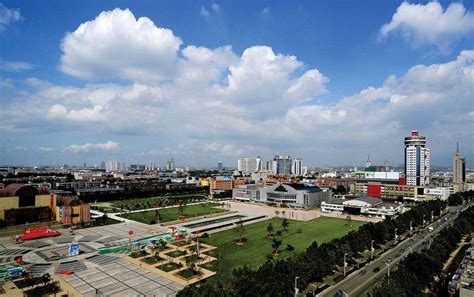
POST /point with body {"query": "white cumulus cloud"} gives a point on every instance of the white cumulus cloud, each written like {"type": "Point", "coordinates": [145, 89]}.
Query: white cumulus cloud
{"type": "Point", "coordinates": [430, 24]}
{"type": "Point", "coordinates": [117, 45]}
{"type": "Point", "coordinates": [8, 16]}
{"type": "Point", "coordinates": [204, 11]}
{"type": "Point", "coordinates": [83, 148]}
{"type": "Point", "coordinates": [15, 66]}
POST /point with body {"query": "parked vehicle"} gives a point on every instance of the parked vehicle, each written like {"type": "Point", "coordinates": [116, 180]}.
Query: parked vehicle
{"type": "Point", "coordinates": [362, 272]}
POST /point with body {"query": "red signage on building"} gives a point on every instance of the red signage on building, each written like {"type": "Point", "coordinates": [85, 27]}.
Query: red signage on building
{"type": "Point", "coordinates": [374, 190]}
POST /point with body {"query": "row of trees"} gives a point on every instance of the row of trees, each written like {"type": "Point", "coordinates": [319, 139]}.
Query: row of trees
{"type": "Point", "coordinates": [416, 272]}
{"type": "Point", "coordinates": [276, 278]}
{"type": "Point", "coordinates": [460, 198]}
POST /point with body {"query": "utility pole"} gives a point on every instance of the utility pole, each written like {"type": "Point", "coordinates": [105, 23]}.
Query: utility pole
{"type": "Point", "coordinates": [345, 264]}
{"type": "Point", "coordinates": [388, 272]}
{"type": "Point", "coordinates": [411, 228]}
{"type": "Point", "coordinates": [296, 285]}
{"type": "Point", "coordinates": [372, 249]}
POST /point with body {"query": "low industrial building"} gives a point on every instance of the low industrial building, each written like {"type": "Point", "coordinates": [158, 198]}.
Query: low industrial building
{"type": "Point", "coordinates": [289, 194]}
{"type": "Point", "coordinates": [365, 205]}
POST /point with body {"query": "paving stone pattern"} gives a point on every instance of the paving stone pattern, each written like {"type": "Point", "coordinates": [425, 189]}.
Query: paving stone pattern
{"type": "Point", "coordinates": [39, 269]}
{"type": "Point", "coordinates": [75, 266]}
{"type": "Point", "coordinates": [109, 239]}
{"type": "Point", "coordinates": [102, 259]}
{"type": "Point", "coordinates": [121, 279]}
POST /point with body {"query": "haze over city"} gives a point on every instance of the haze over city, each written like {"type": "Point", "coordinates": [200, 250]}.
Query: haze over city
{"type": "Point", "coordinates": [181, 148]}
{"type": "Point", "coordinates": [202, 82]}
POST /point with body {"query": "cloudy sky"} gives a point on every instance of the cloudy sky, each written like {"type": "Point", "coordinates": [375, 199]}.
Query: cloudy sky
{"type": "Point", "coordinates": [200, 81]}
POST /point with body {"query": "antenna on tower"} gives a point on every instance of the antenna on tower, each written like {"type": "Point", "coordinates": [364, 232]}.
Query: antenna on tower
{"type": "Point", "coordinates": [457, 148]}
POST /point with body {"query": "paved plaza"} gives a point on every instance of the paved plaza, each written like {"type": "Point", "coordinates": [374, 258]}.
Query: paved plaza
{"type": "Point", "coordinates": [93, 274]}
{"type": "Point", "coordinates": [120, 278]}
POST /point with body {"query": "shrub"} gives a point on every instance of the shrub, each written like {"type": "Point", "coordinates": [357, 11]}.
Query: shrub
{"type": "Point", "coordinates": [278, 232]}
{"type": "Point", "coordinates": [290, 248]}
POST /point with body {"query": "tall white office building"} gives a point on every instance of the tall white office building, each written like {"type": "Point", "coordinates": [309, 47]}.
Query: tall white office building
{"type": "Point", "coordinates": [249, 165]}
{"type": "Point", "coordinates": [282, 165]}
{"type": "Point", "coordinates": [297, 167]}
{"type": "Point", "coordinates": [115, 166]}
{"type": "Point", "coordinates": [417, 160]}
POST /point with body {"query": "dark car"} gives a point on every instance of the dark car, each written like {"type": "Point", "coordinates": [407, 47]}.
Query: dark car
{"type": "Point", "coordinates": [376, 269]}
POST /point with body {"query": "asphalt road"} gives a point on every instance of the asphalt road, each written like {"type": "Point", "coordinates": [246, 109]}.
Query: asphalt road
{"type": "Point", "coordinates": [359, 283]}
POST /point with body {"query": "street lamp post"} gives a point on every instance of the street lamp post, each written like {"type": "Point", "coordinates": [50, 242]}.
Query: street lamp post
{"type": "Point", "coordinates": [372, 249]}
{"type": "Point", "coordinates": [296, 287]}
{"type": "Point", "coordinates": [424, 220]}
{"type": "Point", "coordinates": [345, 264]}
{"type": "Point", "coordinates": [432, 216]}
{"type": "Point", "coordinates": [396, 235]}
{"type": "Point", "coordinates": [411, 228]}
{"type": "Point", "coordinates": [388, 271]}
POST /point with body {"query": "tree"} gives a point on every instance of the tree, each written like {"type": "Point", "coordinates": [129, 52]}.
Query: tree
{"type": "Point", "coordinates": [270, 230]}
{"type": "Point", "coordinates": [157, 214]}
{"type": "Point", "coordinates": [182, 205]}
{"type": "Point", "coordinates": [349, 221]}
{"type": "Point", "coordinates": [285, 224]}
{"type": "Point", "coordinates": [276, 245]}
{"type": "Point", "coordinates": [45, 278]}
{"type": "Point", "coordinates": [340, 190]}
{"type": "Point", "coordinates": [241, 230]}
{"type": "Point", "coordinates": [277, 213]}
{"type": "Point", "coordinates": [283, 213]}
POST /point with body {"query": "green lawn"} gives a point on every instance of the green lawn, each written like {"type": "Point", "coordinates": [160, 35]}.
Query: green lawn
{"type": "Point", "coordinates": [171, 214]}
{"type": "Point", "coordinates": [150, 202]}
{"type": "Point", "coordinates": [253, 253]}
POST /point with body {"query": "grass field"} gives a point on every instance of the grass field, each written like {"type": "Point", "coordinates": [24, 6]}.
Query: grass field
{"type": "Point", "coordinates": [171, 214]}
{"type": "Point", "coordinates": [150, 202]}
{"type": "Point", "coordinates": [254, 252]}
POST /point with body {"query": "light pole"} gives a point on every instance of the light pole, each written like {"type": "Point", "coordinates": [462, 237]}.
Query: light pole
{"type": "Point", "coordinates": [411, 228]}
{"type": "Point", "coordinates": [424, 220]}
{"type": "Point", "coordinates": [388, 272]}
{"type": "Point", "coordinates": [345, 264]}
{"type": "Point", "coordinates": [432, 216]}
{"type": "Point", "coordinates": [372, 249]}
{"type": "Point", "coordinates": [296, 287]}
{"type": "Point", "coordinates": [395, 235]}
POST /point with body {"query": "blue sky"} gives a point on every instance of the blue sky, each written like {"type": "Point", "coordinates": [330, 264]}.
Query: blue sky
{"type": "Point", "coordinates": [201, 81]}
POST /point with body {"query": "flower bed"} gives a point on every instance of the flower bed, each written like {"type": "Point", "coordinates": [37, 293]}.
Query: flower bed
{"type": "Point", "coordinates": [152, 259]}
{"type": "Point", "coordinates": [212, 266]}
{"type": "Point", "coordinates": [192, 259]}
{"type": "Point", "coordinates": [138, 254]}
{"type": "Point", "coordinates": [176, 253]}
{"type": "Point", "coordinates": [180, 243]}
{"type": "Point", "coordinates": [188, 273]}
{"type": "Point", "coordinates": [170, 266]}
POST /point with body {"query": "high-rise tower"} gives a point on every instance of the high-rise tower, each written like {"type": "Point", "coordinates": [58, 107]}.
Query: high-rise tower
{"type": "Point", "coordinates": [417, 160]}
{"type": "Point", "coordinates": [459, 169]}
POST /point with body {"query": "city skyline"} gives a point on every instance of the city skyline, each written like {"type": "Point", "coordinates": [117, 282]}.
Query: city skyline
{"type": "Point", "coordinates": [218, 81]}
